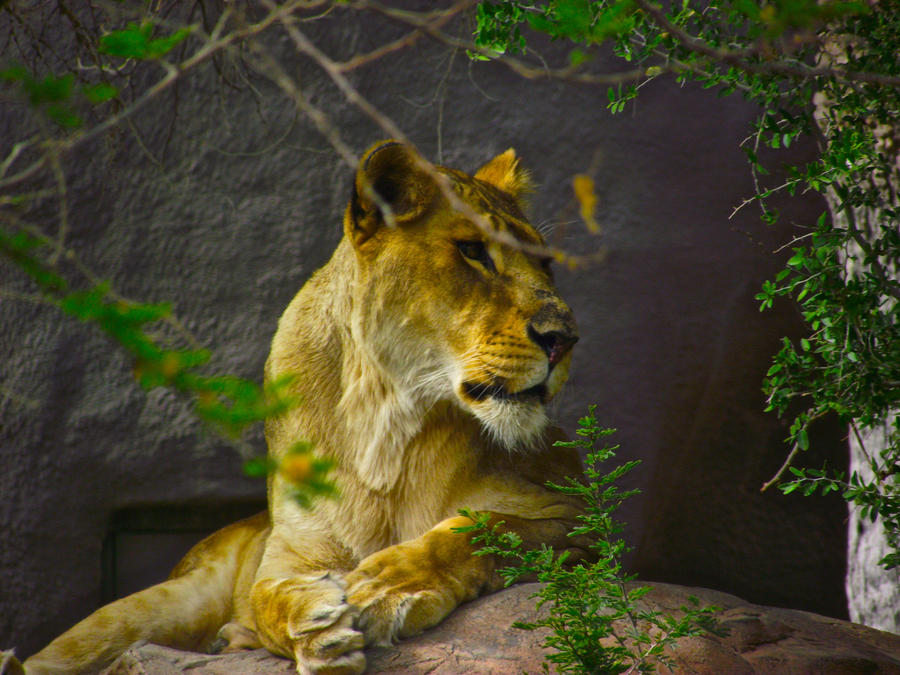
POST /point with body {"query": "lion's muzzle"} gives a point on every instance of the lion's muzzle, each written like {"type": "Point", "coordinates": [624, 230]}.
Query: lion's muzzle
{"type": "Point", "coordinates": [553, 329]}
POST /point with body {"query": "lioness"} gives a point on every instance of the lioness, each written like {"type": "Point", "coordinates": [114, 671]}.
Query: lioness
{"type": "Point", "coordinates": [425, 353]}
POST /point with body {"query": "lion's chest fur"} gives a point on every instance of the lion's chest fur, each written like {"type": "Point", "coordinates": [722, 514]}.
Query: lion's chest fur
{"type": "Point", "coordinates": [400, 453]}
{"type": "Point", "coordinates": [435, 462]}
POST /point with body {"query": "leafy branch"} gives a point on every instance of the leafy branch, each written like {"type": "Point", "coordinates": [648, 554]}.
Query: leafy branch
{"type": "Point", "coordinates": [596, 624]}
{"type": "Point", "coordinates": [844, 272]}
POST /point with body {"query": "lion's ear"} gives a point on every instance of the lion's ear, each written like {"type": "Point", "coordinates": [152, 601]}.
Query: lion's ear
{"type": "Point", "coordinates": [506, 173]}
{"type": "Point", "coordinates": [387, 176]}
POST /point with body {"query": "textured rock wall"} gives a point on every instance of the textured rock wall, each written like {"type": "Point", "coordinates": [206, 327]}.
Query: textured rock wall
{"type": "Point", "coordinates": [224, 201]}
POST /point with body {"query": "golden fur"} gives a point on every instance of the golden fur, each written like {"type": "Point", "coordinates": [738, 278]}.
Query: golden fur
{"type": "Point", "coordinates": [424, 353]}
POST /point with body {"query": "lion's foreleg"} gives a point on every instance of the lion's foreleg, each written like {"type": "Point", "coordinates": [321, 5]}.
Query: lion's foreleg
{"type": "Point", "coordinates": [406, 588]}
{"type": "Point", "coordinates": [301, 611]}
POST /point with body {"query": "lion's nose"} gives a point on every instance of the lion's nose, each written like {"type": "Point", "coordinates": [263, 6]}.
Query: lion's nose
{"type": "Point", "coordinates": [555, 341]}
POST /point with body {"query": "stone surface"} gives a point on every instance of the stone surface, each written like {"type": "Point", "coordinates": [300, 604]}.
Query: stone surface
{"type": "Point", "coordinates": [477, 639]}
{"type": "Point", "coordinates": [239, 200]}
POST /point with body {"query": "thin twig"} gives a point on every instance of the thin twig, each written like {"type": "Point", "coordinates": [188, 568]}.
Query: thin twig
{"type": "Point", "coordinates": [784, 467]}
{"type": "Point", "coordinates": [790, 458]}
{"type": "Point", "coordinates": [333, 70]}
{"type": "Point", "coordinates": [862, 448]}
{"type": "Point", "coordinates": [173, 73]}
{"type": "Point", "coordinates": [436, 20]}
{"type": "Point", "coordinates": [14, 154]}
{"type": "Point", "coordinates": [62, 196]}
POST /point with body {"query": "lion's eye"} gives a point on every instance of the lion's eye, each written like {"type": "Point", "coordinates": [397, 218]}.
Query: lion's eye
{"type": "Point", "coordinates": [477, 251]}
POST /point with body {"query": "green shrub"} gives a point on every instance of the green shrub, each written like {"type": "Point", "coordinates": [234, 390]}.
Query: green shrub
{"type": "Point", "coordinates": [592, 608]}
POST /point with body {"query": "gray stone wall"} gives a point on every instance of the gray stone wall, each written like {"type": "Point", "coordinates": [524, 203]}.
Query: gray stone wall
{"type": "Point", "coordinates": [224, 201]}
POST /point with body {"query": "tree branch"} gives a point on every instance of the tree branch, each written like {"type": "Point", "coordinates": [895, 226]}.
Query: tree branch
{"type": "Point", "coordinates": [334, 71]}
{"type": "Point", "coordinates": [738, 58]}
{"type": "Point", "coordinates": [173, 74]}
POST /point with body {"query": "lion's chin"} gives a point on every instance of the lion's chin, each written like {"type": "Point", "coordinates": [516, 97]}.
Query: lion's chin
{"type": "Point", "coordinates": [516, 424]}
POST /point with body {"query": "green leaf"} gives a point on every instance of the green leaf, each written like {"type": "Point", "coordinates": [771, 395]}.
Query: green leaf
{"type": "Point", "coordinates": [136, 42]}
{"type": "Point", "coordinates": [259, 467]}
{"type": "Point", "coordinates": [788, 488]}
{"type": "Point", "coordinates": [64, 116]}
{"type": "Point", "coordinates": [13, 74]}
{"type": "Point", "coordinates": [130, 43]}
{"type": "Point", "coordinates": [162, 46]}
{"type": "Point", "coordinates": [51, 89]}
{"type": "Point", "coordinates": [100, 92]}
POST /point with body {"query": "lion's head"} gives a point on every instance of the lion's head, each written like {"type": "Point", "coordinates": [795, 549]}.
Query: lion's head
{"type": "Point", "coordinates": [450, 310]}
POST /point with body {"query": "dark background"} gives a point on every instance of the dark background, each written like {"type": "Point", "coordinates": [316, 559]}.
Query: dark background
{"type": "Point", "coordinates": [223, 200]}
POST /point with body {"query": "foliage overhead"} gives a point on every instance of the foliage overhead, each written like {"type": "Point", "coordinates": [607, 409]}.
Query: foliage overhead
{"type": "Point", "coordinates": [825, 68]}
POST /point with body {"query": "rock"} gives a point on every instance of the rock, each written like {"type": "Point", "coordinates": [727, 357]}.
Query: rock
{"type": "Point", "coordinates": [478, 638]}
{"type": "Point", "coordinates": [144, 658]}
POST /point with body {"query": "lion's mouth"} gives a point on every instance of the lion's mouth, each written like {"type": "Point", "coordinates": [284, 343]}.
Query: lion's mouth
{"type": "Point", "coordinates": [481, 391]}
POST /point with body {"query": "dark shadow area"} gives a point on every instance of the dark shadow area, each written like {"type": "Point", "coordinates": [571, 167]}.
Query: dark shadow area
{"type": "Point", "coordinates": [145, 543]}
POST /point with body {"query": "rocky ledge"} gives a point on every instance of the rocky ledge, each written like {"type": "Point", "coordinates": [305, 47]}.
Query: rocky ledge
{"type": "Point", "coordinates": [477, 638]}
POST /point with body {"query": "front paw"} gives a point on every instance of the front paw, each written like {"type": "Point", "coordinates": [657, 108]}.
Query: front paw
{"type": "Point", "coordinates": [336, 650]}
{"type": "Point", "coordinates": [313, 614]}
{"type": "Point", "coordinates": [325, 640]}
{"type": "Point", "coordinates": [397, 596]}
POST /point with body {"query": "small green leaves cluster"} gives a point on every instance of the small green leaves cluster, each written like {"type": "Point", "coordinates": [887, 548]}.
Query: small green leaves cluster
{"type": "Point", "coordinates": [579, 21]}
{"type": "Point", "coordinates": [305, 472]}
{"type": "Point", "coordinates": [59, 99]}
{"type": "Point", "coordinates": [55, 97]}
{"type": "Point", "coordinates": [497, 28]}
{"type": "Point", "coordinates": [136, 41]}
{"type": "Point", "coordinates": [596, 625]}
{"type": "Point", "coordinates": [844, 273]}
